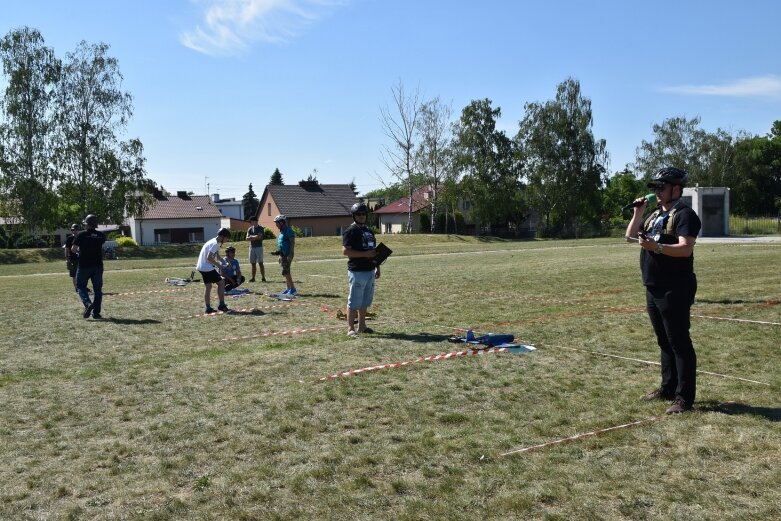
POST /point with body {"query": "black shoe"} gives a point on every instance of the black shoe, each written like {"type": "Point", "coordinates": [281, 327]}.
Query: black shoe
{"type": "Point", "coordinates": [209, 311]}
{"type": "Point", "coordinates": [97, 316]}
{"type": "Point", "coordinates": [223, 308]}
{"type": "Point", "coordinates": [252, 279]}
{"type": "Point", "coordinates": [656, 394]}
{"type": "Point", "coordinates": [263, 280]}
{"type": "Point", "coordinates": [88, 310]}
{"type": "Point", "coordinates": [678, 406]}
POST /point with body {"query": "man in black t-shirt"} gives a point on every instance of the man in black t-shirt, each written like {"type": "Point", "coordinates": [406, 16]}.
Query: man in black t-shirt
{"type": "Point", "coordinates": [89, 245]}
{"type": "Point", "coordinates": [358, 245]}
{"type": "Point", "coordinates": [667, 238]}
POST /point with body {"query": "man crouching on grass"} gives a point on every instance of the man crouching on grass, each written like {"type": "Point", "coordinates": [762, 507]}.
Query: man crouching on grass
{"type": "Point", "coordinates": [358, 245]}
{"type": "Point", "coordinates": [211, 267]}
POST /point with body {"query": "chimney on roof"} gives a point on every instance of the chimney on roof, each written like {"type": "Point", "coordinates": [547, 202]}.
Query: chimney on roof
{"type": "Point", "coordinates": [215, 198]}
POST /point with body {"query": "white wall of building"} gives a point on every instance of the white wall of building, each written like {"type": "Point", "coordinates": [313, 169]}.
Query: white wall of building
{"type": "Point", "coordinates": [143, 230]}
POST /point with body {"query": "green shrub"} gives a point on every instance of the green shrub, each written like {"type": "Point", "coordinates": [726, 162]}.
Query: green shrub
{"type": "Point", "coordinates": [126, 242]}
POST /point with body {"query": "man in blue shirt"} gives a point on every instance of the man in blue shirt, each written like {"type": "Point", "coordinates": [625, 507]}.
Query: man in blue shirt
{"type": "Point", "coordinates": [286, 242]}
{"type": "Point", "coordinates": [233, 277]}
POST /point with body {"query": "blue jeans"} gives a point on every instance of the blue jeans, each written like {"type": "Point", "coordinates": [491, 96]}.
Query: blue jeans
{"type": "Point", "coordinates": [94, 274]}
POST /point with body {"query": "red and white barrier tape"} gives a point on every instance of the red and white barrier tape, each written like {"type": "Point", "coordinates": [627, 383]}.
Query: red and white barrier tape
{"type": "Point", "coordinates": [442, 356]}
{"type": "Point", "coordinates": [582, 435]}
{"type": "Point", "coordinates": [740, 320]}
{"type": "Point", "coordinates": [279, 333]}
{"type": "Point", "coordinates": [653, 363]}
{"type": "Point", "coordinates": [175, 290]}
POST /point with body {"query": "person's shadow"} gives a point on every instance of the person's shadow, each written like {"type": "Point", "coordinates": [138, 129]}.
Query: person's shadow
{"type": "Point", "coordinates": [731, 408]}
{"type": "Point", "coordinates": [131, 321]}
{"type": "Point", "coordinates": [419, 337]}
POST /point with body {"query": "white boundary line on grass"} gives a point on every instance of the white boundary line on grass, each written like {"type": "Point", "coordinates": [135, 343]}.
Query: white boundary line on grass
{"type": "Point", "coordinates": [740, 320]}
{"type": "Point", "coordinates": [582, 435]}
{"type": "Point", "coordinates": [649, 362]}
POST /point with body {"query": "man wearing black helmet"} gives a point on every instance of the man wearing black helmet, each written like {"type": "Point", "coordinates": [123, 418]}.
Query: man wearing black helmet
{"type": "Point", "coordinates": [88, 244]}
{"type": "Point", "coordinates": [212, 267]}
{"type": "Point", "coordinates": [667, 238]}
{"type": "Point", "coordinates": [358, 245]}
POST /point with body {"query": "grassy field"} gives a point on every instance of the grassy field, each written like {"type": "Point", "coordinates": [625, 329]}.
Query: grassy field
{"type": "Point", "coordinates": [158, 412]}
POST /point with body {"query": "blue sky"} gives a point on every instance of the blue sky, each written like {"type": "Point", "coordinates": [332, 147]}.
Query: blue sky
{"type": "Point", "coordinates": [225, 91]}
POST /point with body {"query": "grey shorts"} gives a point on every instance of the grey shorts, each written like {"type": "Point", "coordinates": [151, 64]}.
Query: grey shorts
{"type": "Point", "coordinates": [256, 254]}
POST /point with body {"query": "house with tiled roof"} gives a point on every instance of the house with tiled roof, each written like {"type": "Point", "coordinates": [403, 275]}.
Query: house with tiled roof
{"type": "Point", "coordinates": [179, 219]}
{"type": "Point", "coordinates": [316, 209]}
{"type": "Point", "coordinates": [393, 217]}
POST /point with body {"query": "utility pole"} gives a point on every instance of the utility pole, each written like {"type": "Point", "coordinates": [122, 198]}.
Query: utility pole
{"type": "Point", "coordinates": [206, 184]}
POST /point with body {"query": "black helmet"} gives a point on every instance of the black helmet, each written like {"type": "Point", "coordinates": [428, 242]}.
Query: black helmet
{"type": "Point", "coordinates": [91, 220]}
{"type": "Point", "coordinates": [671, 175]}
{"type": "Point", "coordinates": [359, 207]}
{"type": "Point", "coordinates": [224, 232]}
{"type": "Point", "coordinates": [75, 227]}
{"type": "Point", "coordinates": [230, 249]}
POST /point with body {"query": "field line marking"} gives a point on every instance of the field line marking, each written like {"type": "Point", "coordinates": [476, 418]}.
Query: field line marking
{"type": "Point", "coordinates": [583, 435]}
{"type": "Point", "coordinates": [649, 362]}
{"type": "Point", "coordinates": [739, 320]}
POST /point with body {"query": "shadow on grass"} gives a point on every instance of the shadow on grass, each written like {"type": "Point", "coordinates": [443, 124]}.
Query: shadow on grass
{"type": "Point", "coordinates": [322, 295]}
{"type": "Point", "coordinates": [734, 301]}
{"type": "Point", "coordinates": [770, 413]}
{"type": "Point", "coordinates": [419, 337]}
{"type": "Point", "coordinates": [249, 313]}
{"type": "Point", "coordinates": [132, 321]}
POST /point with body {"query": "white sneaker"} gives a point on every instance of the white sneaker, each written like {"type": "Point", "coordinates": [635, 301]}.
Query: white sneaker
{"type": "Point", "coordinates": [352, 333]}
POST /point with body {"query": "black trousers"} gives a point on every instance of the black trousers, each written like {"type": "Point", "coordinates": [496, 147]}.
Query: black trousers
{"type": "Point", "coordinates": [669, 310]}
{"type": "Point", "coordinates": [229, 286]}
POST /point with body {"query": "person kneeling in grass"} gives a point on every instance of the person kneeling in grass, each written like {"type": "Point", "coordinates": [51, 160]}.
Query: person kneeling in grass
{"type": "Point", "coordinates": [233, 277]}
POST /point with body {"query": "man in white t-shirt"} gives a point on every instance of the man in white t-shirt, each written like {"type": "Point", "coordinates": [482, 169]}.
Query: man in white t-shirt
{"type": "Point", "coordinates": [212, 267]}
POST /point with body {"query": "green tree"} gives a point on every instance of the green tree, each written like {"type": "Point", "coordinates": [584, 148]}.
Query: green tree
{"type": "Point", "coordinates": [26, 175]}
{"type": "Point", "coordinates": [619, 190]}
{"type": "Point", "coordinates": [486, 160]}
{"type": "Point", "coordinates": [92, 112]}
{"type": "Point", "coordinates": [677, 142]}
{"type": "Point", "coordinates": [276, 178]}
{"type": "Point", "coordinates": [757, 166]}
{"type": "Point", "coordinates": [250, 203]}
{"type": "Point", "coordinates": [564, 162]}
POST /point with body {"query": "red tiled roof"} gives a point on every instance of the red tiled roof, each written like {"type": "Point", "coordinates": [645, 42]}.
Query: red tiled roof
{"type": "Point", "coordinates": [182, 207]}
{"type": "Point", "coordinates": [419, 202]}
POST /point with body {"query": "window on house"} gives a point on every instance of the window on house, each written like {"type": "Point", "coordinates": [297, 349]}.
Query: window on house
{"type": "Point", "coordinates": [388, 228]}
{"type": "Point", "coordinates": [269, 209]}
{"type": "Point", "coordinates": [339, 230]}
{"type": "Point", "coordinates": [306, 231]}
{"type": "Point", "coordinates": [467, 205]}
{"type": "Point", "coordinates": [162, 236]}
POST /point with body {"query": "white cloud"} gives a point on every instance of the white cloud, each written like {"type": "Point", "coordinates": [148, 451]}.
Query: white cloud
{"type": "Point", "coordinates": [231, 26]}
{"type": "Point", "coordinates": [757, 87]}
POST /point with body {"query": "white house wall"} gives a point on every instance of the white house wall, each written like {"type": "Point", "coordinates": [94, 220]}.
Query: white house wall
{"type": "Point", "coordinates": [143, 230]}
